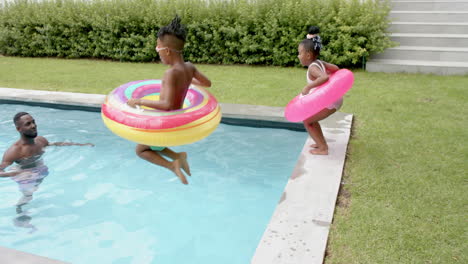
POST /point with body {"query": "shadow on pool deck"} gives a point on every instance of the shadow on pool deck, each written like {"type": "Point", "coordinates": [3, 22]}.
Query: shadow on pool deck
{"type": "Point", "coordinates": [299, 227]}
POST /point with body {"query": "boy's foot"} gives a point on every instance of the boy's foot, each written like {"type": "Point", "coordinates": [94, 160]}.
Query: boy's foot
{"type": "Point", "coordinates": [314, 146]}
{"type": "Point", "coordinates": [184, 164]}
{"type": "Point", "coordinates": [177, 166]}
{"type": "Point", "coordinates": [319, 151]}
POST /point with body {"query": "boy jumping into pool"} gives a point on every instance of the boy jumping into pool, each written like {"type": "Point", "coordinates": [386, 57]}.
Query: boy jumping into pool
{"type": "Point", "coordinates": [175, 83]}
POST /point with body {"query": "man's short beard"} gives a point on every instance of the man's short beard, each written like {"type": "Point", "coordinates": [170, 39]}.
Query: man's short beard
{"type": "Point", "coordinates": [30, 135]}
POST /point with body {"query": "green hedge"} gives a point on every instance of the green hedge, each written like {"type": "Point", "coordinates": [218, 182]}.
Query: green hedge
{"type": "Point", "coordinates": [263, 32]}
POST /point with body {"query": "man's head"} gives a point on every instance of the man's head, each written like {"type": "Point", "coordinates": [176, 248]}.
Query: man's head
{"type": "Point", "coordinates": [25, 124]}
{"type": "Point", "coordinates": [171, 39]}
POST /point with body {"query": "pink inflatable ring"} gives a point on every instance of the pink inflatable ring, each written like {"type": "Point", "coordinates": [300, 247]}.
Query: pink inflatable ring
{"type": "Point", "coordinates": [304, 106]}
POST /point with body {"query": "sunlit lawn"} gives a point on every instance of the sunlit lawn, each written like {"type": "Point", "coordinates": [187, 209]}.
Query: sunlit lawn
{"type": "Point", "coordinates": [404, 194]}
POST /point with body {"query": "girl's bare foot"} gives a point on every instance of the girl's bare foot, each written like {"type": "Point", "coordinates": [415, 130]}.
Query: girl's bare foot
{"type": "Point", "coordinates": [319, 151]}
{"type": "Point", "coordinates": [183, 163]}
{"type": "Point", "coordinates": [176, 169]}
{"type": "Point", "coordinates": [314, 146]}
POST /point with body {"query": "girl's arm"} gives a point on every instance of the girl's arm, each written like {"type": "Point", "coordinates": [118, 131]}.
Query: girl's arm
{"type": "Point", "coordinates": [319, 76]}
{"type": "Point", "coordinates": [330, 68]}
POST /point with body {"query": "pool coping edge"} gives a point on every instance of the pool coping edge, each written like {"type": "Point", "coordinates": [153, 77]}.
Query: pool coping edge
{"type": "Point", "coordinates": [234, 114]}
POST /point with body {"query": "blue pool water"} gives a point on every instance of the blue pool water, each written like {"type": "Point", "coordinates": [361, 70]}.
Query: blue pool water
{"type": "Point", "coordinates": [103, 204]}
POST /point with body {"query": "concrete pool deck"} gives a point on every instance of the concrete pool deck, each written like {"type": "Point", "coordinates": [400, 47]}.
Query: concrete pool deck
{"type": "Point", "coordinates": [11, 256]}
{"type": "Point", "coordinates": [298, 230]}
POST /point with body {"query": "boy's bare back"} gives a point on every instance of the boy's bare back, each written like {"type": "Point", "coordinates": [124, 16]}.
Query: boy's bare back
{"type": "Point", "coordinates": [175, 84]}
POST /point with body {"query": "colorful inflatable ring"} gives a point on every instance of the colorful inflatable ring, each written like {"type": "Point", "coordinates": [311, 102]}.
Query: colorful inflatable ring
{"type": "Point", "coordinates": [304, 106]}
{"type": "Point", "coordinates": [199, 116]}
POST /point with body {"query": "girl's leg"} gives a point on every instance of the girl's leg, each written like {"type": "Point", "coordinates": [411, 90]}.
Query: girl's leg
{"type": "Point", "coordinates": [146, 153]}
{"type": "Point", "coordinates": [315, 131]}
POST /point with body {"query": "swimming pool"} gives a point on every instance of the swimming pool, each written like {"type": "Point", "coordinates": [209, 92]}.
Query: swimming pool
{"type": "Point", "coordinates": [105, 205]}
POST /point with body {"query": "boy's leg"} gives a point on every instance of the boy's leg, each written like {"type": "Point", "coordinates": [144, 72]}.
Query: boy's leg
{"type": "Point", "coordinates": [315, 131]}
{"type": "Point", "coordinates": [182, 156]}
{"type": "Point", "coordinates": [147, 154]}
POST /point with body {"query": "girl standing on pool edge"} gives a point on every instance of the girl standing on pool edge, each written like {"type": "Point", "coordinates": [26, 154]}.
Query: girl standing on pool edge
{"type": "Point", "coordinates": [317, 74]}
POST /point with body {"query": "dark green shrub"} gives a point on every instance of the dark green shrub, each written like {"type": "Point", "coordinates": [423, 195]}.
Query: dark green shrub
{"type": "Point", "coordinates": [263, 32]}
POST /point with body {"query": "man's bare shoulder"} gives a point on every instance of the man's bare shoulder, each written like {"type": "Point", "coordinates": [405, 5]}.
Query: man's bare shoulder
{"type": "Point", "coordinates": [12, 153]}
{"type": "Point", "coordinates": [42, 141]}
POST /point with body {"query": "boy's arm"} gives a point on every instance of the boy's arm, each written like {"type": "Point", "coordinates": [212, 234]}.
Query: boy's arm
{"type": "Point", "coordinates": [200, 79]}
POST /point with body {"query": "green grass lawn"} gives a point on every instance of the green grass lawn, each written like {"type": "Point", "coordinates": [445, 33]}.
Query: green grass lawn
{"type": "Point", "coordinates": [404, 194]}
{"type": "Point", "coordinates": [231, 84]}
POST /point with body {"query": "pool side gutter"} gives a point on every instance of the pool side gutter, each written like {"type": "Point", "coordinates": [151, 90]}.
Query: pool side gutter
{"type": "Point", "coordinates": [299, 228]}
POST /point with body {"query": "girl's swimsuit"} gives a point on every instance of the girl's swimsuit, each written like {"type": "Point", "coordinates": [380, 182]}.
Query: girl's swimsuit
{"type": "Point", "coordinates": [337, 104]}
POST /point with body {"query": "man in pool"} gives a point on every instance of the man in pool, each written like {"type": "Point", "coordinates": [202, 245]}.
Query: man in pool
{"type": "Point", "coordinates": [27, 154]}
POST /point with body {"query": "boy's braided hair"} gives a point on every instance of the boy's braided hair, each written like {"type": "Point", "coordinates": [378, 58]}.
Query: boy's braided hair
{"type": "Point", "coordinates": [175, 28]}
